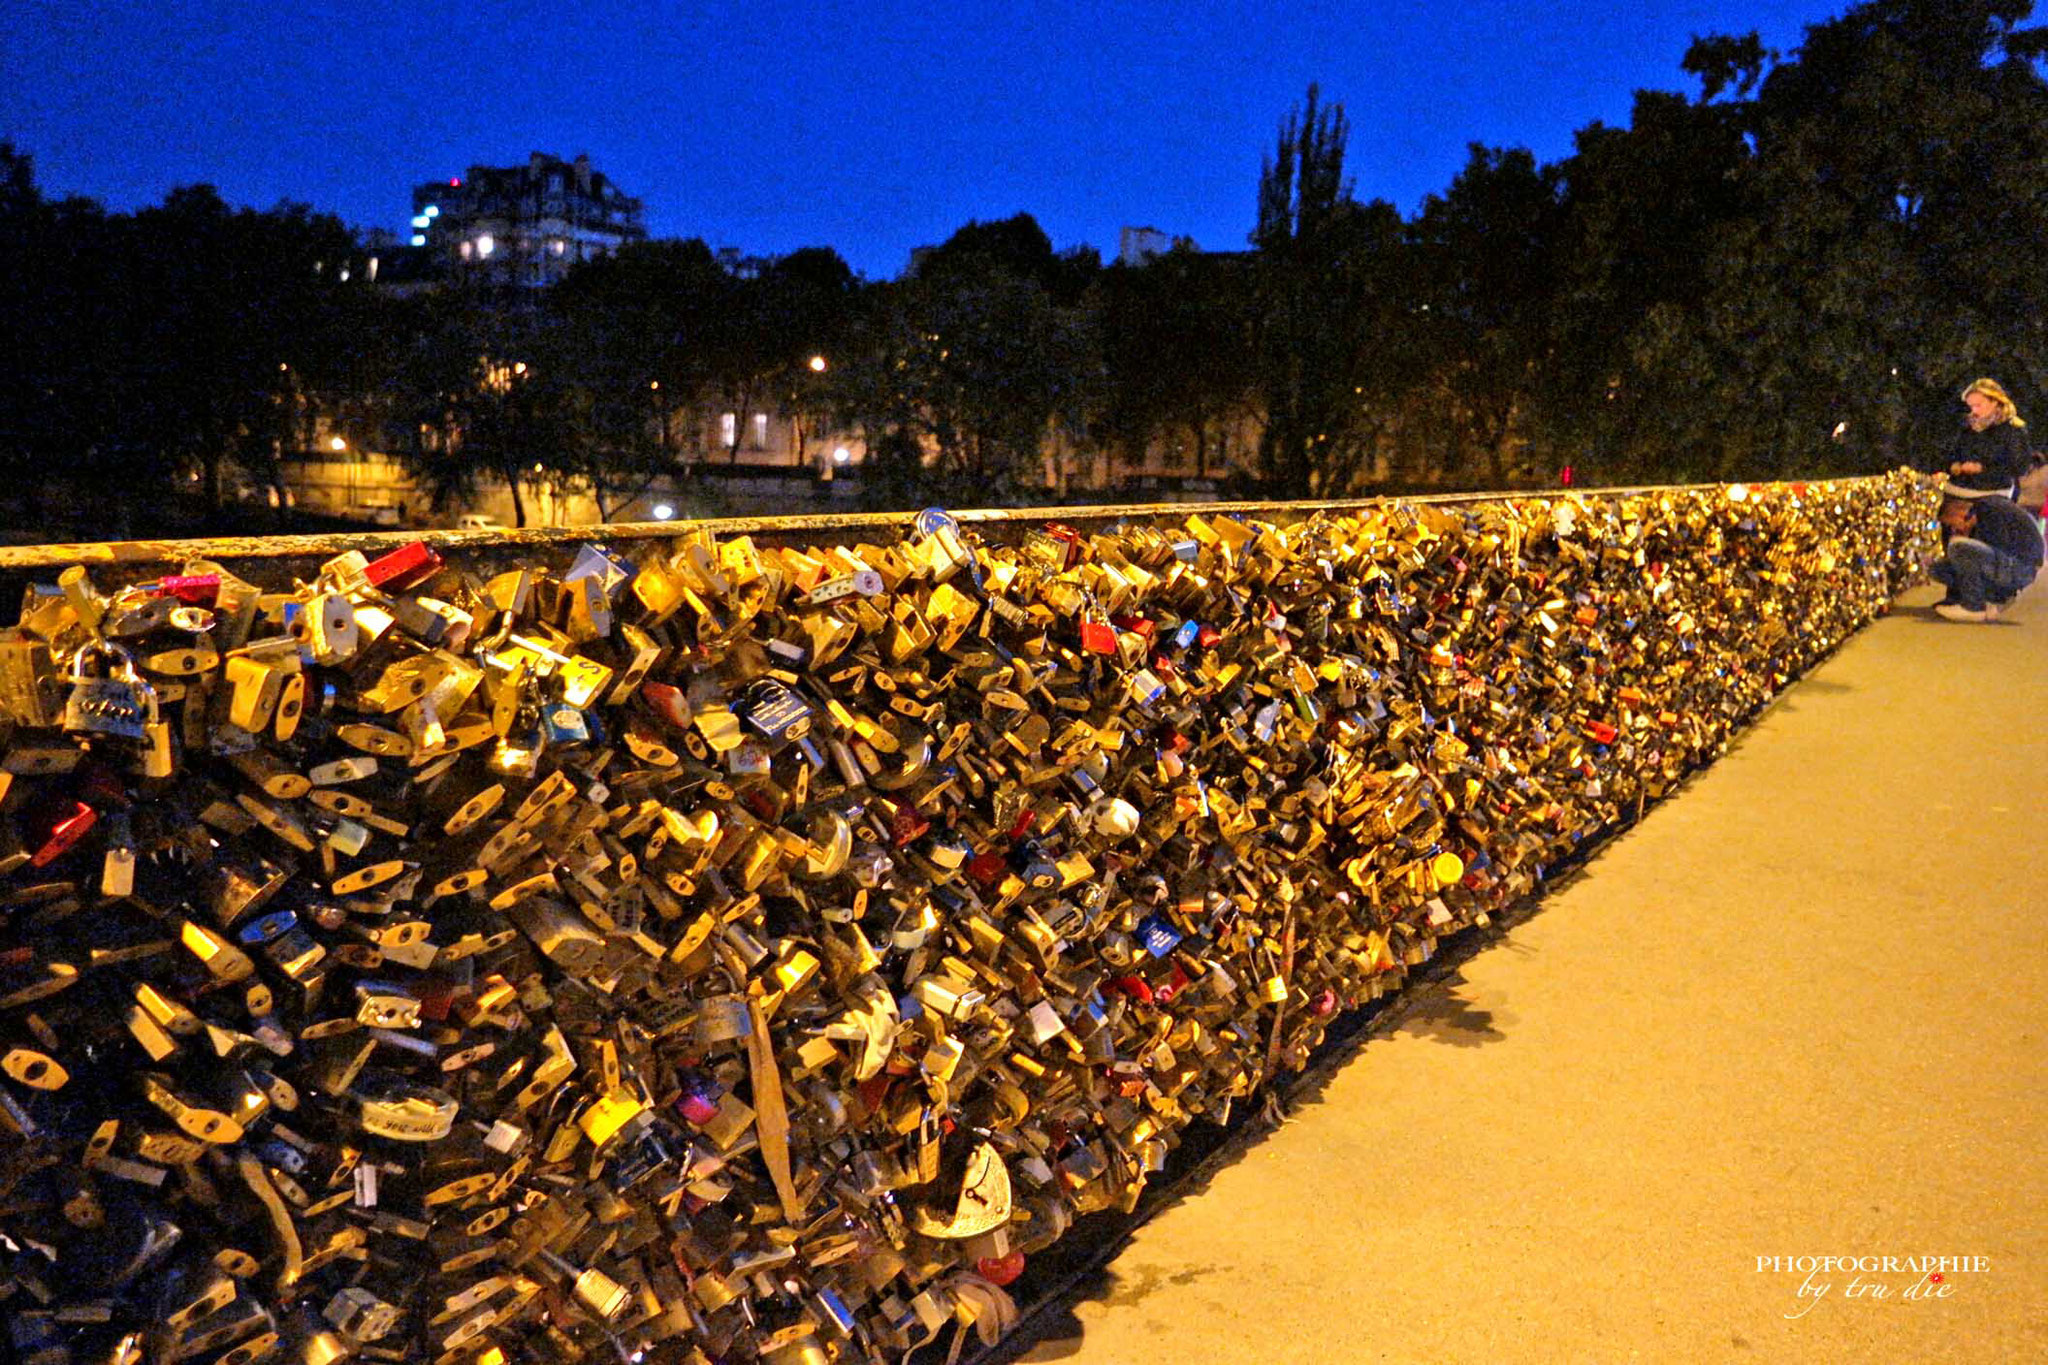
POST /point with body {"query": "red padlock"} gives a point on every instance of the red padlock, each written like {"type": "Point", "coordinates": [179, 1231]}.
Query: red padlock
{"type": "Point", "coordinates": [194, 590]}
{"type": "Point", "coordinates": [987, 869]}
{"type": "Point", "coordinates": [1002, 1271]}
{"type": "Point", "coordinates": [1098, 637]}
{"type": "Point", "coordinates": [1069, 537]}
{"type": "Point", "coordinates": [668, 702]}
{"type": "Point", "coordinates": [405, 567]}
{"type": "Point", "coordinates": [64, 833]}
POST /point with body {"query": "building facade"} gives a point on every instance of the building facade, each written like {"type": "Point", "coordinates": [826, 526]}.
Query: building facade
{"type": "Point", "coordinates": [1137, 245]}
{"type": "Point", "coordinates": [523, 226]}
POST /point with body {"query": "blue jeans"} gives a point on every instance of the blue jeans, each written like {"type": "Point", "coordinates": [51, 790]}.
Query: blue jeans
{"type": "Point", "coordinates": [1975, 573]}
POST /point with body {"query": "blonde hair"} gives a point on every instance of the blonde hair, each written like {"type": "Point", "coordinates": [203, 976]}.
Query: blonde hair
{"type": "Point", "coordinates": [1995, 391]}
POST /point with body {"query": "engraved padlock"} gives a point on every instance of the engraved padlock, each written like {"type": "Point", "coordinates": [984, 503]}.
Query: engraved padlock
{"type": "Point", "coordinates": [118, 703]}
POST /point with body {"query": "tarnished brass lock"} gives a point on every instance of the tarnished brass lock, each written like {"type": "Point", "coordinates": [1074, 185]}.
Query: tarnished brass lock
{"type": "Point", "coordinates": [29, 680]}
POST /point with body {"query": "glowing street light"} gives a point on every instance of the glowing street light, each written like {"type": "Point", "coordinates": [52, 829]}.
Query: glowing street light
{"type": "Point", "coordinates": [817, 364]}
{"type": "Point", "coordinates": [663, 511]}
{"type": "Point", "coordinates": [337, 443]}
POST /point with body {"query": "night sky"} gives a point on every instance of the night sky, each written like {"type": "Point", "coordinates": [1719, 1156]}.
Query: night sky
{"type": "Point", "coordinates": [871, 128]}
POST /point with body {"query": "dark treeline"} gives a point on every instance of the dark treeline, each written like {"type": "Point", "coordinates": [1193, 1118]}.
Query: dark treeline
{"type": "Point", "coordinates": [1790, 271]}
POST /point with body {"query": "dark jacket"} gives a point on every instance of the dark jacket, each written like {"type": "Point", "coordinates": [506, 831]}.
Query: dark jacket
{"type": "Point", "coordinates": [2002, 448]}
{"type": "Point", "coordinates": [2005, 528]}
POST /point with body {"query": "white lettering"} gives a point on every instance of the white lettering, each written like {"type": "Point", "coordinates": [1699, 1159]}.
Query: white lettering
{"type": "Point", "coordinates": [1809, 1289]}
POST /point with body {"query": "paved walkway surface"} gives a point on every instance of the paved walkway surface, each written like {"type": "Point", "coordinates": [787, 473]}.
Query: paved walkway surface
{"type": "Point", "coordinates": [1800, 1011]}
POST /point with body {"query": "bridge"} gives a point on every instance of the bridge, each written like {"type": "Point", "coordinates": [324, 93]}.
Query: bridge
{"type": "Point", "coordinates": [1798, 1012]}
{"type": "Point", "coordinates": [1754, 1080]}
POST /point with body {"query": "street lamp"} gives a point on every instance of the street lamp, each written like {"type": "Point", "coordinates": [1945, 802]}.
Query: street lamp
{"type": "Point", "coordinates": [816, 365]}
{"type": "Point", "coordinates": [337, 444]}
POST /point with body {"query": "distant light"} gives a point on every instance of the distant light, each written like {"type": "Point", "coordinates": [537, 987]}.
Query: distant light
{"type": "Point", "coordinates": [282, 366]}
{"type": "Point", "coordinates": [432, 210]}
{"type": "Point", "coordinates": [662, 511]}
{"type": "Point", "coordinates": [337, 443]}
{"type": "Point", "coordinates": [1840, 427]}
{"type": "Point", "coordinates": [840, 455]}
{"type": "Point", "coordinates": [817, 364]}
{"type": "Point", "coordinates": [538, 466]}
{"type": "Point", "coordinates": [654, 383]}
{"type": "Point", "coordinates": [419, 239]}
{"type": "Point", "coordinates": [344, 274]}
{"type": "Point", "coordinates": [486, 244]}
{"type": "Point", "coordinates": [456, 181]}
{"type": "Point", "coordinates": [420, 220]}
{"type": "Point", "coordinates": [519, 367]}
{"type": "Point", "coordinates": [1738, 492]}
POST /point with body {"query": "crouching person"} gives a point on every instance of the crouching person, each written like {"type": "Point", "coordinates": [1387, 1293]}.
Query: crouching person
{"type": "Point", "coordinates": [1993, 552]}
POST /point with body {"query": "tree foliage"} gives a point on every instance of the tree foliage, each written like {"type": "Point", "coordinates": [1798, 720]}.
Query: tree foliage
{"type": "Point", "coordinates": [1790, 270]}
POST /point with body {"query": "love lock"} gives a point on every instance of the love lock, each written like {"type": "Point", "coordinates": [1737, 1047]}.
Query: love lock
{"type": "Point", "coordinates": [118, 704]}
{"type": "Point", "coordinates": [983, 1203]}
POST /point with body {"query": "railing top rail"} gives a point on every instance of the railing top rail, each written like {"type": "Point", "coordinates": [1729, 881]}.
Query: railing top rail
{"type": "Point", "coordinates": [991, 521]}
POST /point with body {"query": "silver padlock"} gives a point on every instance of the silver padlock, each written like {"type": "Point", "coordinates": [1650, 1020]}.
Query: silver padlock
{"type": "Point", "coordinates": [329, 630]}
{"type": "Point", "coordinates": [119, 703]}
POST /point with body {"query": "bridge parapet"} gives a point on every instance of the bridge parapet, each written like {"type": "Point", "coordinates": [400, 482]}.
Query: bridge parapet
{"type": "Point", "coordinates": [468, 935]}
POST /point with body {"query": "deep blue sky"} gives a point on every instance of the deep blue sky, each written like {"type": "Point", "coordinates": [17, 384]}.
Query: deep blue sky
{"type": "Point", "coordinates": [871, 128]}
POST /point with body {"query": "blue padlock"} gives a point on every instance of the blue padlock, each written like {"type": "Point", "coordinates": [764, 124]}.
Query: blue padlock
{"type": "Point", "coordinates": [562, 725]}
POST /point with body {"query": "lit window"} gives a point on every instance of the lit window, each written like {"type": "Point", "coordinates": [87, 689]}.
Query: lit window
{"type": "Point", "coordinates": [465, 251]}
{"type": "Point", "coordinates": [760, 421]}
{"type": "Point", "coordinates": [420, 239]}
{"type": "Point", "coordinates": [728, 429]}
{"type": "Point", "coordinates": [485, 245]}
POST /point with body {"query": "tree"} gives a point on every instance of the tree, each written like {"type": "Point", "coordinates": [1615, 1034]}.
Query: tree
{"type": "Point", "coordinates": [213, 302]}
{"type": "Point", "coordinates": [1176, 347]}
{"type": "Point", "coordinates": [1900, 175]}
{"type": "Point", "coordinates": [1322, 274]}
{"type": "Point", "coordinates": [56, 389]}
{"type": "Point", "coordinates": [492, 387]}
{"type": "Point", "coordinates": [973, 363]}
{"type": "Point", "coordinates": [1486, 252]}
{"type": "Point", "coordinates": [1643, 211]}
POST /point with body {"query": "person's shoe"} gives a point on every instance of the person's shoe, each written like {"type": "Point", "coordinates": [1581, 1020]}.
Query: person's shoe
{"type": "Point", "coordinates": [1950, 611]}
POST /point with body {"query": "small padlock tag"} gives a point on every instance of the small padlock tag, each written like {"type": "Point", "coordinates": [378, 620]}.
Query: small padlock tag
{"type": "Point", "coordinates": [117, 868]}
